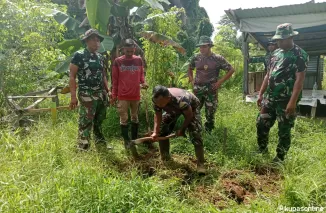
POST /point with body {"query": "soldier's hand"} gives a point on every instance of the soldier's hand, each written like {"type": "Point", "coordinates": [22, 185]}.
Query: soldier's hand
{"type": "Point", "coordinates": [73, 103]}
{"type": "Point", "coordinates": [217, 85]}
{"type": "Point", "coordinates": [259, 100]}
{"type": "Point", "coordinates": [290, 109]}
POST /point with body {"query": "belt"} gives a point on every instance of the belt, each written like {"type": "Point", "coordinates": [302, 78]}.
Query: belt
{"type": "Point", "coordinates": [205, 84]}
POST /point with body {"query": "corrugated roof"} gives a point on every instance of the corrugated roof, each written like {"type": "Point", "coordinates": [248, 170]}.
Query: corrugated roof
{"type": "Point", "coordinates": [279, 11]}
{"type": "Point", "coordinates": [312, 39]}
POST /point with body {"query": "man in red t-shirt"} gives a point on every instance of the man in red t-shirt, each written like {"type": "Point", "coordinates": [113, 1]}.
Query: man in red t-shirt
{"type": "Point", "coordinates": [127, 80]}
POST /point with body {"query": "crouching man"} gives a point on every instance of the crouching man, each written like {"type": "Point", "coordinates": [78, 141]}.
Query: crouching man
{"type": "Point", "coordinates": [175, 102]}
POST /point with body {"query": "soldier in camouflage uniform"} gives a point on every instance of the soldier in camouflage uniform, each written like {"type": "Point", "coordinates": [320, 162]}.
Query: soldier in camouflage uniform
{"type": "Point", "coordinates": [88, 66]}
{"type": "Point", "coordinates": [207, 82]}
{"type": "Point", "coordinates": [175, 102]}
{"type": "Point", "coordinates": [281, 91]}
{"type": "Point", "coordinates": [271, 46]}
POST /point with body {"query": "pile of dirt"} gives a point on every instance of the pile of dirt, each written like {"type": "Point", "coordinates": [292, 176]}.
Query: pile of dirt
{"type": "Point", "coordinates": [244, 185]}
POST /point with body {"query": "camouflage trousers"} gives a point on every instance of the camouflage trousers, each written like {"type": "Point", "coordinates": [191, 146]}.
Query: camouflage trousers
{"type": "Point", "coordinates": [91, 115]}
{"type": "Point", "coordinates": [208, 97]}
{"type": "Point", "coordinates": [269, 113]}
{"type": "Point", "coordinates": [169, 121]}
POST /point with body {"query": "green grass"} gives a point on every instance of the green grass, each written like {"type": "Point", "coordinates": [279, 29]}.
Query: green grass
{"type": "Point", "coordinates": [42, 172]}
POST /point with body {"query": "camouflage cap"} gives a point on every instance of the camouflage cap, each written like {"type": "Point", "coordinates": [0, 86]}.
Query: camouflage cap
{"type": "Point", "coordinates": [284, 31]}
{"type": "Point", "coordinates": [204, 40]}
{"type": "Point", "coordinates": [91, 32]}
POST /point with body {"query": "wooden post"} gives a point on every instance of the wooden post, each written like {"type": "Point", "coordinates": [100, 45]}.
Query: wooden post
{"type": "Point", "coordinates": [56, 98]}
{"type": "Point", "coordinates": [54, 112]}
{"type": "Point", "coordinates": [245, 52]}
{"type": "Point", "coordinates": [318, 77]}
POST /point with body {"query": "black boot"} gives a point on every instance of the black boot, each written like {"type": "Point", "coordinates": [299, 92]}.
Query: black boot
{"type": "Point", "coordinates": [98, 136]}
{"type": "Point", "coordinates": [127, 143]}
{"type": "Point", "coordinates": [209, 127]}
{"type": "Point", "coordinates": [134, 130]}
{"type": "Point", "coordinates": [165, 150]}
{"type": "Point", "coordinates": [199, 150]}
{"type": "Point", "coordinates": [125, 136]}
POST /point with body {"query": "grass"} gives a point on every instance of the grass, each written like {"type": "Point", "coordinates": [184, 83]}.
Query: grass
{"type": "Point", "coordinates": [42, 172]}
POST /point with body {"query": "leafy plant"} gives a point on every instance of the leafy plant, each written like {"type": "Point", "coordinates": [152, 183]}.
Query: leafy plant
{"type": "Point", "coordinates": [160, 53]}
{"type": "Point", "coordinates": [28, 45]}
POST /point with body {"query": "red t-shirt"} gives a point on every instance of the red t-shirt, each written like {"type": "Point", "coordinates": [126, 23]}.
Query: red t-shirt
{"type": "Point", "coordinates": [127, 75]}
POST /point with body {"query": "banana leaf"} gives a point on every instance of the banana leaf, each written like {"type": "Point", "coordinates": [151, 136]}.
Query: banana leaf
{"type": "Point", "coordinates": [98, 13]}
{"type": "Point", "coordinates": [64, 19]}
{"type": "Point", "coordinates": [63, 66]}
{"type": "Point", "coordinates": [163, 40]}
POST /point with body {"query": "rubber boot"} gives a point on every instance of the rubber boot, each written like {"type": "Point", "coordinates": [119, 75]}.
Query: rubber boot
{"type": "Point", "coordinates": [209, 127]}
{"type": "Point", "coordinates": [127, 143]}
{"type": "Point", "coordinates": [125, 136]}
{"type": "Point", "coordinates": [165, 150]}
{"type": "Point", "coordinates": [199, 150]}
{"type": "Point", "coordinates": [134, 131]}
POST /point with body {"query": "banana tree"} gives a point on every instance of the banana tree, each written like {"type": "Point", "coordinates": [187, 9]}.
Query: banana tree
{"type": "Point", "coordinates": [109, 17]}
{"type": "Point", "coordinates": [72, 45]}
{"type": "Point", "coordinates": [112, 17]}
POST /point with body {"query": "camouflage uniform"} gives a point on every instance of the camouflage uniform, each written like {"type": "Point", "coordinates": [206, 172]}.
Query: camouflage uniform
{"type": "Point", "coordinates": [172, 111]}
{"type": "Point", "coordinates": [91, 94]}
{"type": "Point", "coordinates": [282, 76]}
{"type": "Point", "coordinates": [207, 72]}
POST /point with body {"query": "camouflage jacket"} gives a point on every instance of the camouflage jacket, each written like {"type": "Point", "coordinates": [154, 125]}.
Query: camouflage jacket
{"type": "Point", "coordinates": [282, 72]}
{"type": "Point", "coordinates": [179, 102]}
{"type": "Point", "coordinates": [90, 73]}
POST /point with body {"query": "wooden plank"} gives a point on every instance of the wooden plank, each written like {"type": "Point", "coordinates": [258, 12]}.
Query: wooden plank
{"type": "Point", "coordinates": [251, 82]}
{"type": "Point", "coordinates": [37, 92]}
{"type": "Point", "coordinates": [46, 109]}
{"type": "Point", "coordinates": [259, 78]}
{"type": "Point", "coordinates": [41, 99]}
{"type": "Point", "coordinates": [31, 96]}
{"type": "Point", "coordinates": [23, 101]}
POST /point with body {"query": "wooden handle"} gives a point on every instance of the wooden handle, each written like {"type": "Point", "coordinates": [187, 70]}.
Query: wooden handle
{"type": "Point", "coordinates": [141, 140]}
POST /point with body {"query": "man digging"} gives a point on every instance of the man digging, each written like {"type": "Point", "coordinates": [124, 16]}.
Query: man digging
{"type": "Point", "coordinates": [176, 102]}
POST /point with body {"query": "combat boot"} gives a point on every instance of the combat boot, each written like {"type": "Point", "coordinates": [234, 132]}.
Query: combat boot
{"type": "Point", "coordinates": [127, 142]}
{"type": "Point", "coordinates": [201, 169]}
{"type": "Point", "coordinates": [164, 146]}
